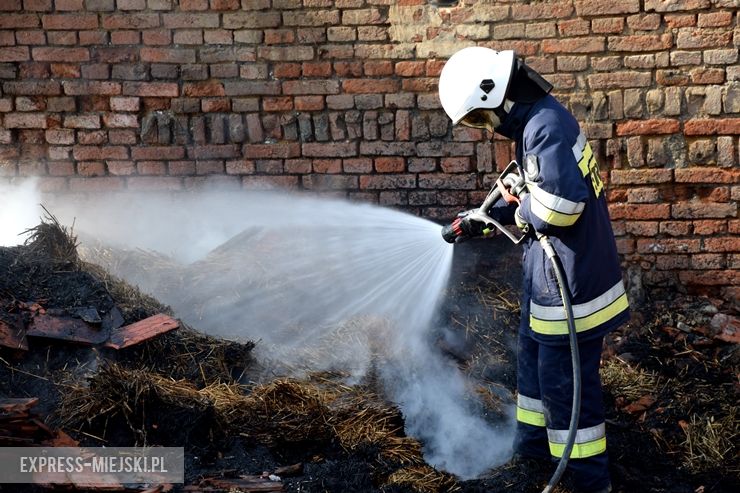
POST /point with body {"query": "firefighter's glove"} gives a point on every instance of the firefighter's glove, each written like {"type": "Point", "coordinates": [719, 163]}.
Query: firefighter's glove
{"type": "Point", "coordinates": [470, 224]}
{"type": "Point", "coordinates": [519, 220]}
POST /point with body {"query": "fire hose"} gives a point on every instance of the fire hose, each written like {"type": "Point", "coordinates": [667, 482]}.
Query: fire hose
{"type": "Point", "coordinates": [453, 233]}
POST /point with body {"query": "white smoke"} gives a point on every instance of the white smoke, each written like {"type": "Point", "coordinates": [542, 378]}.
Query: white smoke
{"type": "Point", "coordinates": [322, 284]}
{"type": "Point", "coordinates": [20, 210]}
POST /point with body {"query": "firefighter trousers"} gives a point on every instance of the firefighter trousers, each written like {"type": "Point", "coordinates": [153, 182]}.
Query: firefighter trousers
{"type": "Point", "coordinates": [545, 394]}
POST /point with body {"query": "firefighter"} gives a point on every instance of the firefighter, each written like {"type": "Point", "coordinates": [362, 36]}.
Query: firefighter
{"type": "Point", "coordinates": [494, 90]}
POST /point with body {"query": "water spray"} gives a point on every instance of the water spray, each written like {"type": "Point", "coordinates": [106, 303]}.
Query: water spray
{"type": "Point", "coordinates": [511, 182]}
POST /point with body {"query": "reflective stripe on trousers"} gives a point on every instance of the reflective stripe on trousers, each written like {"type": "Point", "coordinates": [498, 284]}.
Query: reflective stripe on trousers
{"type": "Point", "coordinates": [589, 441]}
{"type": "Point", "coordinates": [530, 411]}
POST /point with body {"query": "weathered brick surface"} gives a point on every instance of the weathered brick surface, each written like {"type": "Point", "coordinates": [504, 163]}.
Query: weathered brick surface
{"type": "Point", "coordinates": [339, 97]}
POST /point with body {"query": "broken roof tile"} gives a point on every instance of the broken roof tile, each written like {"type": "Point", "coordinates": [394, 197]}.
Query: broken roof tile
{"type": "Point", "coordinates": [66, 329]}
{"type": "Point", "coordinates": [142, 330]}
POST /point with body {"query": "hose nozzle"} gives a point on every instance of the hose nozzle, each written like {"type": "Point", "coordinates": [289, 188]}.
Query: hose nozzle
{"type": "Point", "coordinates": [451, 232]}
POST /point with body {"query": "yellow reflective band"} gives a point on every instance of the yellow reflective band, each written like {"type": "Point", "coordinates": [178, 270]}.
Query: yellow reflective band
{"type": "Point", "coordinates": [530, 417]}
{"type": "Point", "coordinates": [580, 450]}
{"type": "Point", "coordinates": [550, 216]}
{"type": "Point", "coordinates": [560, 327]}
{"type": "Point", "coordinates": [584, 162]}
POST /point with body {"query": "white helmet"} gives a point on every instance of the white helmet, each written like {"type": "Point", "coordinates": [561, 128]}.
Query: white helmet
{"type": "Point", "coordinates": [478, 78]}
{"type": "Point", "coordinates": [475, 78]}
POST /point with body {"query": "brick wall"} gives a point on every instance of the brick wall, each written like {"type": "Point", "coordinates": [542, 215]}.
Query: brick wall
{"type": "Point", "coordinates": [339, 97]}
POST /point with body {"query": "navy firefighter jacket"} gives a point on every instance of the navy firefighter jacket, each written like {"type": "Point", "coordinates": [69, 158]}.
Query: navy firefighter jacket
{"type": "Point", "coordinates": [566, 202]}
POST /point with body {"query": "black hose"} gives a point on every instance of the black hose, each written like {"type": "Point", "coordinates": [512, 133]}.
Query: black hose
{"type": "Point", "coordinates": [576, 362]}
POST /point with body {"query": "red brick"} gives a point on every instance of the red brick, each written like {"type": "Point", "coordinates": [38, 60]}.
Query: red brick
{"type": "Point", "coordinates": [715, 19]}
{"type": "Point", "coordinates": [218, 37]}
{"type": "Point", "coordinates": [282, 103]}
{"type": "Point", "coordinates": [702, 38]}
{"type": "Point", "coordinates": [91, 168]}
{"type": "Point", "coordinates": [641, 228]}
{"type": "Point", "coordinates": [96, 184]}
{"type": "Point", "coordinates": [30, 37]}
{"type": "Point", "coordinates": [644, 22]}
{"type": "Point", "coordinates": [192, 21]}
{"type": "Point", "coordinates": [345, 149]}
{"type": "Point", "coordinates": [316, 69]}
{"type": "Point", "coordinates": [205, 88]}
{"type": "Point", "coordinates": [648, 127]}
{"type": "Point", "coordinates": [193, 5]}
{"type": "Point", "coordinates": [707, 261]}
{"type": "Point", "coordinates": [381, 67]}
{"type": "Point", "coordinates": [674, 21]}
{"type": "Point", "coordinates": [707, 175]}
{"type": "Point", "coordinates": [709, 227]}
{"type": "Point", "coordinates": [574, 27]}
{"type": "Point", "coordinates": [120, 120]}
{"type": "Point", "coordinates": [25, 120]}
{"type": "Point", "coordinates": [726, 244]}
{"type": "Point", "coordinates": [668, 245]}
{"type": "Point", "coordinates": [703, 75]}
{"type": "Point", "coordinates": [675, 228]}
{"type": "Point", "coordinates": [82, 121]}
{"type": "Point", "coordinates": [357, 165]}
{"type": "Point", "coordinates": [181, 167]}
{"type": "Point", "coordinates": [370, 86]}
{"type": "Point", "coordinates": [696, 209]}
{"type": "Point", "coordinates": [520, 11]}
{"type": "Point", "coordinates": [65, 70]}
{"type": "Point", "coordinates": [131, 4]}
{"type": "Point", "coordinates": [60, 136]}
{"type": "Point", "coordinates": [86, 153]}
{"type": "Point", "coordinates": [84, 88]}
{"type": "Point", "coordinates": [167, 55]}
{"type": "Point", "coordinates": [16, 21]}
{"type": "Point", "coordinates": [386, 182]}
{"type": "Point", "coordinates": [14, 54]}
{"type": "Point", "coordinates": [225, 4]}
{"type": "Point", "coordinates": [304, 17]}
{"type": "Point", "coordinates": [311, 87]}
{"type": "Point", "coordinates": [287, 70]}
{"type": "Point", "coordinates": [410, 69]}
{"type": "Point", "coordinates": [639, 211]}
{"type": "Point", "coordinates": [607, 25]}
{"type": "Point", "coordinates": [213, 151]}
{"type": "Point", "coordinates": [456, 165]}
{"type": "Point", "coordinates": [606, 7]}
{"type": "Point", "coordinates": [156, 89]}
{"type": "Point", "coordinates": [75, 22]}
{"type": "Point", "coordinates": [92, 137]}
{"type": "Point", "coordinates": [122, 136]}
{"type": "Point", "coordinates": [124, 104]}
{"type": "Point", "coordinates": [279, 36]}
{"type": "Point", "coordinates": [125, 37]}
{"type": "Point", "coordinates": [644, 42]}
{"type": "Point", "coordinates": [158, 37]}
{"type": "Point", "coordinates": [61, 168]}
{"type": "Point", "coordinates": [619, 80]}
{"type": "Point", "coordinates": [573, 45]}
{"type": "Point", "coordinates": [390, 164]}
{"type": "Point", "coordinates": [250, 20]}
{"type": "Point", "coordinates": [327, 166]}
{"type": "Point", "coordinates": [274, 151]}
{"type": "Point", "coordinates": [674, 5]}
{"type": "Point", "coordinates": [721, 126]}
{"type": "Point", "coordinates": [309, 103]}
{"type": "Point", "coordinates": [215, 105]}
{"type": "Point", "coordinates": [154, 183]}
{"type": "Point", "coordinates": [151, 168]}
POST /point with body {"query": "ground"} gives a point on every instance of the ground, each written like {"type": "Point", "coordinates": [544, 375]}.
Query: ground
{"type": "Point", "coordinates": [671, 388]}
